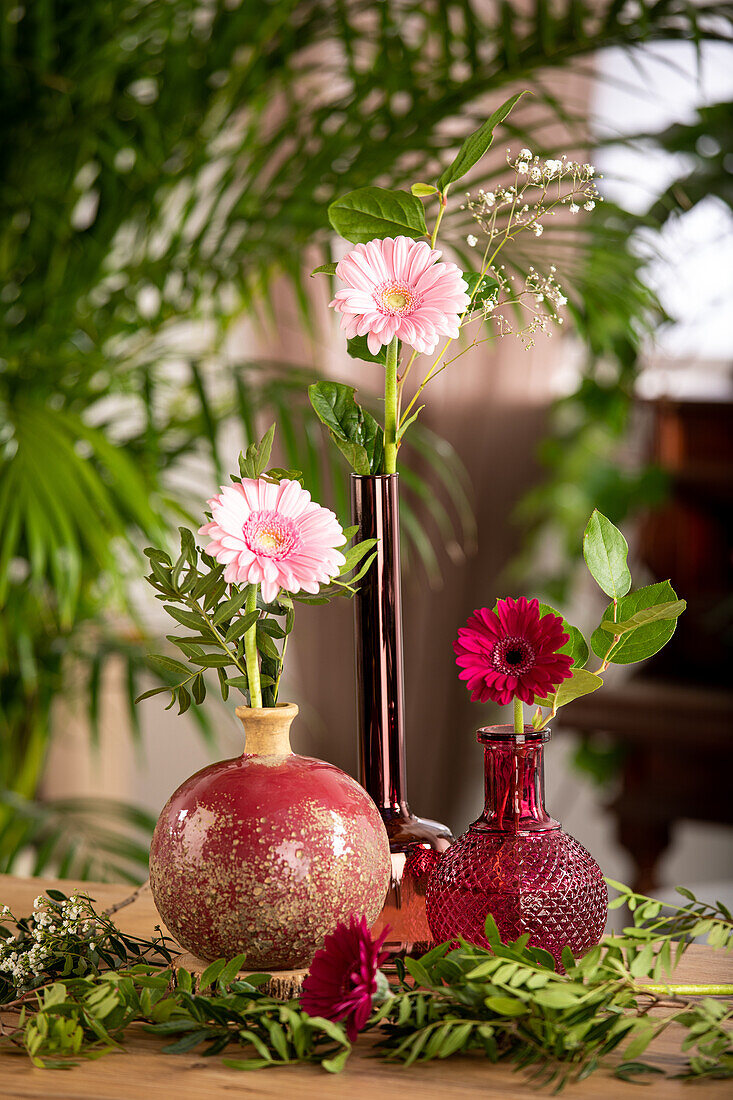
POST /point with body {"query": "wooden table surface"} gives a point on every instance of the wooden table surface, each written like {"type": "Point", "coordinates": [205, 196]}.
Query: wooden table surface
{"type": "Point", "coordinates": [142, 1072]}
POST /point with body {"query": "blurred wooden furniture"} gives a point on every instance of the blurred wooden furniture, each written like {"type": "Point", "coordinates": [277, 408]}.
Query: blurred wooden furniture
{"type": "Point", "coordinates": [674, 718]}
{"type": "Point", "coordinates": [677, 761]}
{"type": "Point", "coordinates": [141, 1070]}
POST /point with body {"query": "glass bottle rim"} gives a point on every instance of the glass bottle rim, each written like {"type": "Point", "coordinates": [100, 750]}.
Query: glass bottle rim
{"type": "Point", "coordinates": [504, 734]}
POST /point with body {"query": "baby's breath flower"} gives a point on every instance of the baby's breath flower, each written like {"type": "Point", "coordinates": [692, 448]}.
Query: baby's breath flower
{"type": "Point", "coordinates": [471, 240]}
{"type": "Point", "coordinates": [589, 205]}
{"type": "Point", "coordinates": [574, 208]}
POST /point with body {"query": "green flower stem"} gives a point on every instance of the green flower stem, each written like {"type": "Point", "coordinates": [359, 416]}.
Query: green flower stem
{"type": "Point", "coordinates": [250, 652]}
{"type": "Point", "coordinates": [518, 717]}
{"type": "Point", "coordinates": [390, 410]}
{"type": "Point", "coordinates": [438, 220]}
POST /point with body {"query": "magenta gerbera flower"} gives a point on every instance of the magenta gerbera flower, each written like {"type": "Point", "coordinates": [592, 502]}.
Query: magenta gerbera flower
{"type": "Point", "coordinates": [275, 536]}
{"type": "Point", "coordinates": [342, 979]}
{"type": "Point", "coordinates": [397, 287]}
{"type": "Point", "coordinates": [512, 652]}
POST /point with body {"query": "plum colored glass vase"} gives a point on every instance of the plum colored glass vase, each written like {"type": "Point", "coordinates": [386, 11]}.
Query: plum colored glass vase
{"type": "Point", "coordinates": [415, 843]}
{"type": "Point", "coordinates": [264, 854]}
{"type": "Point", "coordinates": [516, 862]}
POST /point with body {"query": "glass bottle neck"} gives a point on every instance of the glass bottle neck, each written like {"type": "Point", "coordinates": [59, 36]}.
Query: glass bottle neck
{"type": "Point", "coordinates": [514, 781]}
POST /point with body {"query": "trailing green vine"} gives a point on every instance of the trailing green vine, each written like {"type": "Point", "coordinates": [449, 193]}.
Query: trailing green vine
{"type": "Point", "coordinates": [508, 1003]}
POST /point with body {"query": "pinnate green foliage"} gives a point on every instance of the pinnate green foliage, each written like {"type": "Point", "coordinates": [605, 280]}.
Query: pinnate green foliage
{"type": "Point", "coordinates": [194, 593]}
{"type": "Point", "coordinates": [508, 1003]}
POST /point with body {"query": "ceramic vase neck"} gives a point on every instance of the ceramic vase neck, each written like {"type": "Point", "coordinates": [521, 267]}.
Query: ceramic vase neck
{"type": "Point", "coordinates": [267, 729]}
{"type": "Point", "coordinates": [514, 781]}
{"type": "Point", "coordinates": [379, 662]}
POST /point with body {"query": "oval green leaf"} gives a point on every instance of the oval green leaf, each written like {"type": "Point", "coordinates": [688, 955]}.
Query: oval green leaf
{"type": "Point", "coordinates": [374, 213]}
{"type": "Point", "coordinates": [605, 551]}
{"type": "Point", "coordinates": [645, 641]}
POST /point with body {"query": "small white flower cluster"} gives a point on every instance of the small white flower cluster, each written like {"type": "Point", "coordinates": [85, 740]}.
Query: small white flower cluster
{"type": "Point", "coordinates": [24, 958]}
{"type": "Point", "coordinates": [540, 187]}
{"type": "Point", "coordinates": [538, 170]}
{"type": "Point", "coordinates": [541, 297]}
{"type": "Point", "coordinates": [546, 291]}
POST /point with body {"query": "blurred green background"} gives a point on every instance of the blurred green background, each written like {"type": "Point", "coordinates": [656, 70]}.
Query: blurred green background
{"type": "Point", "coordinates": [164, 177]}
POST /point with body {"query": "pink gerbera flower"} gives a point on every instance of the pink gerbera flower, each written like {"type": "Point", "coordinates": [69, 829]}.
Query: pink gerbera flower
{"type": "Point", "coordinates": [396, 287]}
{"type": "Point", "coordinates": [512, 652]}
{"type": "Point", "coordinates": [342, 979]}
{"type": "Point", "coordinates": [274, 535]}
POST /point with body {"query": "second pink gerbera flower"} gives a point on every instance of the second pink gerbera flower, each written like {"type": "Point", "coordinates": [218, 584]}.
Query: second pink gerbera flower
{"type": "Point", "coordinates": [397, 287]}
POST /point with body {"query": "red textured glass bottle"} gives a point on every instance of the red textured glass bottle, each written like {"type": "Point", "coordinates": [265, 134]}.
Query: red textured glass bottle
{"type": "Point", "coordinates": [516, 862]}
{"type": "Point", "coordinates": [415, 842]}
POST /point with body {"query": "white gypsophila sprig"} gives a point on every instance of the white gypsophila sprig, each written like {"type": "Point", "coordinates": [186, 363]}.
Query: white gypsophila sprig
{"type": "Point", "coordinates": [541, 188]}
{"type": "Point", "coordinates": [538, 299]}
{"type": "Point", "coordinates": [45, 936]}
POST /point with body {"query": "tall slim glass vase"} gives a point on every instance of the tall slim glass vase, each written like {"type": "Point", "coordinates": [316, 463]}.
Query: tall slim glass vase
{"type": "Point", "coordinates": [415, 843]}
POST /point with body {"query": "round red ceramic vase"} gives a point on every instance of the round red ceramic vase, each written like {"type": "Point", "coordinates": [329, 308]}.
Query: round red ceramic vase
{"type": "Point", "coordinates": [516, 862]}
{"type": "Point", "coordinates": [263, 855]}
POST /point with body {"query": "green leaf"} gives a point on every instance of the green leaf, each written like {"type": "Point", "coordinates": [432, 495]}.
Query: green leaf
{"type": "Point", "coordinates": [336, 1062]}
{"type": "Point", "coordinates": [169, 663]}
{"type": "Point", "coordinates": [358, 348]}
{"type": "Point", "coordinates": [241, 625]}
{"type": "Point", "coordinates": [232, 968]}
{"type": "Point", "coordinates": [422, 190]}
{"type": "Point", "coordinates": [506, 1006]}
{"type": "Point", "coordinates": [240, 682]}
{"type": "Point", "coordinates": [192, 619]}
{"type": "Point", "coordinates": [353, 429]}
{"type": "Point", "coordinates": [211, 973]}
{"type": "Point", "coordinates": [555, 998]}
{"type": "Point", "coordinates": [580, 683]}
{"type": "Point", "coordinates": [670, 610]}
{"type": "Point", "coordinates": [645, 641]}
{"type": "Point", "coordinates": [257, 457]}
{"type": "Point", "coordinates": [475, 145]}
{"type": "Point", "coordinates": [605, 551]}
{"type": "Point", "coordinates": [150, 693]}
{"type": "Point", "coordinates": [212, 660]}
{"type": "Point", "coordinates": [324, 269]}
{"type": "Point", "coordinates": [628, 1071]}
{"type": "Point", "coordinates": [265, 644]}
{"type": "Point", "coordinates": [231, 606]}
{"type": "Point", "coordinates": [374, 212]}
{"type": "Point", "coordinates": [481, 288]}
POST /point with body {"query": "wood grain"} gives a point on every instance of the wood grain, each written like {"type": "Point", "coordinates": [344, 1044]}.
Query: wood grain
{"type": "Point", "coordinates": [142, 1071]}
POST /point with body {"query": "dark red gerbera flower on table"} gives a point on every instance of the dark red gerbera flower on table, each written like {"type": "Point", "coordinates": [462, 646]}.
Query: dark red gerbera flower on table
{"type": "Point", "coordinates": [343, 976]}
{"type": "Point", "coordinates": [512, 652]}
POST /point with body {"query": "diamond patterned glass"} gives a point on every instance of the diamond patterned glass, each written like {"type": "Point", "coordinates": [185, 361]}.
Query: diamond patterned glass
{"type": "Point", "coordinates": [516, 862]}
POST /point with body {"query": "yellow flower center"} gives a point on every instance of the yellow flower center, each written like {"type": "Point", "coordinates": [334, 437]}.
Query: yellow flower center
{"type": "Point", "coordinates": [396, 298]}
{"type": "Point", "coordinates": [271, 534]}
